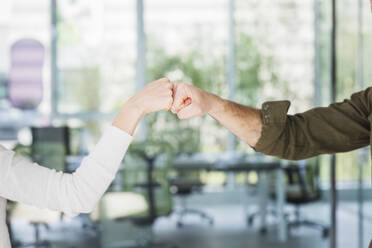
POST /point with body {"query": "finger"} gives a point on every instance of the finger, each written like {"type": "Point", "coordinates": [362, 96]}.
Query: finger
{"type": "Point", "coordinates": [179, 97]}
{"type": "Point", "coordinates": [170, 93]}
{"type": "Point", "coordinates": [186, 103]}
{"type": "Point", "coordinates": [170, 103]}
{"type": "Point", "coordinates": [170, 87]}
{"type": "Point", "coordinates": [188, 112]}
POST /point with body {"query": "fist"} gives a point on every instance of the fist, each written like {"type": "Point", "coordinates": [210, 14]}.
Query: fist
{"type": "Point", "coordinates": [156, 96]}
{"type": "Point", "coordinates": [189, 101]}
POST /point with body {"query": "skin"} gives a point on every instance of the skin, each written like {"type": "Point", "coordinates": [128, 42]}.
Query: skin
{"type": "Point", "coordinates": [156, 96]}
{"type": "Point", "coordinates": [245, 122]}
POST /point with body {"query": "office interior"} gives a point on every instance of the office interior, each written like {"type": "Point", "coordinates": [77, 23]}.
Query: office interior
{"type": "Point", "coordinates": [185, 183]}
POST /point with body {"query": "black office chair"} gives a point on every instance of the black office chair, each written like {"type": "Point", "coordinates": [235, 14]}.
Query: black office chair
{"type": "Point", "coordinates": [303, 187]}
{"type": "Point", "coordinates": [186, 183]}
{"type": "Point", "coordinates": [49, 148]}
{"type": "Point", "coordinates": [9, 206]}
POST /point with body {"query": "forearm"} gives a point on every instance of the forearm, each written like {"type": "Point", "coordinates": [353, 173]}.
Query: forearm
{"type": "Point", "coordinates": [243, 121]}
{"type": "Point", "coordinates": [30, 183]}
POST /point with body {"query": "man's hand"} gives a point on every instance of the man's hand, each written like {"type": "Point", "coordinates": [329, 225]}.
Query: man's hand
{"type": "Point", "coordinates": [189, 101]}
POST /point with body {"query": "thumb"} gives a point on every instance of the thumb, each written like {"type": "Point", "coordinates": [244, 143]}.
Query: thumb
{"type": "Point", "coordinates": [189, 111]}
{"type": "Point", "coordinates": [183, 105]}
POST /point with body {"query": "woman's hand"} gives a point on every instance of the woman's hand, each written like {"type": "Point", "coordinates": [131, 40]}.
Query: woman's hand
{"type": "Point", "coordinates": [156, 96]}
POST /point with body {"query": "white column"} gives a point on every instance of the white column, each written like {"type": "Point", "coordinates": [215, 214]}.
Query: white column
{"type": "Point", "coordinates": [53, 59]}
{"type": "Point", "coordinates": [231, 64]}
{"type": "Point", "coordinates": [263, 191]}
{"type": "Point", "coordinates": [280, 203]}
{"type": "Point", "coordinates": [317, 55]}
{"type": "Point", "coordinates": [141, 61]}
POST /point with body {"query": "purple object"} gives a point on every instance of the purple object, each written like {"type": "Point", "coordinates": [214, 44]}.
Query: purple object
{"type": "Point", "coordinates": [25, 79]}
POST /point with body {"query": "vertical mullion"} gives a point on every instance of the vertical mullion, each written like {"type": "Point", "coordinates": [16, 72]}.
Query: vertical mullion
{"type": "Point", "coordinates": [359, 78]}
{"type": "Point", "coordinates": [53, 59]}
{"type": "Point", "coordinates": [231, 77]}
{"type": "Point", "coordinates": [333, 190]}
{"type": "Point", "coordinates": [317, 56]}
{"type": "Point", "coordinates": [141, 60]}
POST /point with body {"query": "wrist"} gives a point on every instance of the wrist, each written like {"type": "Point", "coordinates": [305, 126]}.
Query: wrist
{"type": "Point", "coordinates": [135, 106]}
{"type": "Point", "coordinates": [217, 104]}
{"type": "Point", "coordinates": [129, 116]}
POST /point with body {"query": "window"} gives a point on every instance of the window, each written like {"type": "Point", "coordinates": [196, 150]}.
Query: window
{"type": "Point", "coordinates": [187, 41]}
{"type": "Point", "coordinates": [24, 20]}
{"type": "Point", "coordinates": [96, 55]}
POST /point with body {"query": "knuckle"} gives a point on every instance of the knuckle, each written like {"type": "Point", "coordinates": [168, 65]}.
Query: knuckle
{"type": "Point", "coordinates": [165, 79]}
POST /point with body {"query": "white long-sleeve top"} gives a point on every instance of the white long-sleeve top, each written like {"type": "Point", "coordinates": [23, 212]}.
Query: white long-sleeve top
{"type": "Point", "coordinates": [30, 183]}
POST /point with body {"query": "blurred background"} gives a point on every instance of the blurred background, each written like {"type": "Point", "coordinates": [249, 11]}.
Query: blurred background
{"type": "Point", "coordinates": [67, 67]}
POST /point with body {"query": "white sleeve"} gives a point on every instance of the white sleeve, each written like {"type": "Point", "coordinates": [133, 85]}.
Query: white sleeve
{"type": "Point", "coordinates": [29, 183]}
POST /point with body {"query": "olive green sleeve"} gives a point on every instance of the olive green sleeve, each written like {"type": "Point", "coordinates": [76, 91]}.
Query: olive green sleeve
{"type": "Point", "coordinates": [341, 127]}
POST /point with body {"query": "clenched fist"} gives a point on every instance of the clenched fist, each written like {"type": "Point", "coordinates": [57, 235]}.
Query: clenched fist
{"type": "Point", "coordinates": [156, 96]}
{"type": "Point", "coordinates": [190, 101]}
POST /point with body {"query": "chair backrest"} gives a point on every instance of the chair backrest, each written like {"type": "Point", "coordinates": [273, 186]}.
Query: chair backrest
{"type": "Point", "coordinates": [50, 145]}
{"type": "Point", "coordinates": [303, 181]}
{"type": "Point", "coordinates": [25, 77]}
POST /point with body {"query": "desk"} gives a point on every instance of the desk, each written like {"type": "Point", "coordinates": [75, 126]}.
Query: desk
{"type": "Point", "coordinates": [262, 168]}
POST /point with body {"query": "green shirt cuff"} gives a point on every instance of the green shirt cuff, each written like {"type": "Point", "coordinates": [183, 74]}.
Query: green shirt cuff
{"type": "Point", "coordinates": [274, 116]}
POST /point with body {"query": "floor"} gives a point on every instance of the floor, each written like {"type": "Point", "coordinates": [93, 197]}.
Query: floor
{"type": "Point", "coordinates": [229, 230]}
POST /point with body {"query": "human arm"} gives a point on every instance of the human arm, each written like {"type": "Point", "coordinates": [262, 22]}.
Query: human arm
{"type": "Point", "coordinates": [27, 182]}
{"type": "Point", "coordinates": [340, 127]}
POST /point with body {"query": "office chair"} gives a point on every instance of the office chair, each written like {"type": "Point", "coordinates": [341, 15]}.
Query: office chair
{"type": "Point", "coordinates": [49, 148]}
{"type": "Point", "coordinates": [9, 206]}
{"type": "Point", "coordinates": [303, 187]}
{"type": "Point", "coordinates": [146, 186]}
{"type": "Point", "coordinates": [25, 76]}
{"type": "Point", "coordinates": [184, 185]}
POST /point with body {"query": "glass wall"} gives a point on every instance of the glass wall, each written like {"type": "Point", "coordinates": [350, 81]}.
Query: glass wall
{"type": "Point", "coordinates": [275, 46]}
{"type": "Point", "coordinates": [275, 53]}
{"type": "Point", "coordinates": [348, 66]}
{"type": "Point", "coordinates": [96, 54]}
{"type": "Point", "coordinates": [187, 41]}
